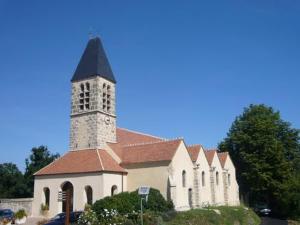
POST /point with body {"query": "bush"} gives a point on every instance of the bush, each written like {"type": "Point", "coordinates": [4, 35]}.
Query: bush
{"type": "Point", "coordinates": [129, 203]}
{"type": "Point", "coordinates": [20, 214]}
{"type": "Point", "coordinates": [88, 217]}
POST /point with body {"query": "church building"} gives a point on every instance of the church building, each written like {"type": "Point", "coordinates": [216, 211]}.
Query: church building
{"type": "Point", "coordinates": [104, 160]}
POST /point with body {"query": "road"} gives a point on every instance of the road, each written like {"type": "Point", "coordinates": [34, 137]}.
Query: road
{"type": "Point", "coordinates": [271, 221]}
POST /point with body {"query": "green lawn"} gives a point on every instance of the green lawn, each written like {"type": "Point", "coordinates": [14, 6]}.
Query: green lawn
{"type": "Point", "coordinates": [223, 215]}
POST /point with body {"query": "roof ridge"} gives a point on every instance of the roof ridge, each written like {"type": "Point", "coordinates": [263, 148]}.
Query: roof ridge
{"type": "Point", "coordinates": [99, 157]}
{"type": "Point", "coordinates": [152, 142]}
{"type": "Point", "coordinates": [194, 145]}
{"type": "Point", "coordinates": [137, 132]}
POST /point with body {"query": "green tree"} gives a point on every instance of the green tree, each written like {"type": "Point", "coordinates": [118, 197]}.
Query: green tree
{"type": "Point", "coordinates": [39, 158]}
{"type": "Point", "coordinates": [11, 182]}
{"type": "Point", "coordinates": [266, 152]}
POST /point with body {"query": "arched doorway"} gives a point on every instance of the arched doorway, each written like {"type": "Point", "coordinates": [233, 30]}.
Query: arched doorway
{"type": "Point", "coordinates": [68, 188]}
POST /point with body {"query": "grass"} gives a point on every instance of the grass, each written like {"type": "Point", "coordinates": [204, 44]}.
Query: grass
{"type": "Point", "coordinates": [223, 215]}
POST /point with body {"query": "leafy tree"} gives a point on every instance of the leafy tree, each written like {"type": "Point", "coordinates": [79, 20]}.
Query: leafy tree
{"type": "Point", "coordinates": [266, 152]}
{"type": "Point", "coordinates": [39, 158]}
{"type": "Point", "coordinates": [11, 182]}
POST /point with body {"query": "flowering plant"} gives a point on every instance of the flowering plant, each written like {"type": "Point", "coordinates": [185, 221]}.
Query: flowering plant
{"type": "Point", "coordinates": [88, 217]}
{"type": "Point", "coordinates": [5, 221]}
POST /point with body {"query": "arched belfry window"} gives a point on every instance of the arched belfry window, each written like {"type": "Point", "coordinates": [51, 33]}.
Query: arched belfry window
{"type": "Point", "coordinates": [84, 96]}
{"type": "Point", "coordinates": [183, 178]}
{"type": "Point", "coordinates": [106, 98]}
{"type": "Point", "coordinates": [47, 196]}
{"type": "Point", "coordinates": [217, 178]}
{"type": "Point", "coordinates": [114, 190]}
{"type": "Point", "coordinates": [203, 178]}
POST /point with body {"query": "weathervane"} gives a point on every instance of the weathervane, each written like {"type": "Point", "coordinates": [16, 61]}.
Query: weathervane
{"type": "Point", "coordinates": [92, 33]}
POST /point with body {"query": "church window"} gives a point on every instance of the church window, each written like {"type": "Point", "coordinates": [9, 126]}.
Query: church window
{"type": "Point", "coordinates": [217, 178]}
{"type": "Point", "coordinates": [89, 195]}
{"type": "Point", "coordinates": [183, 178]}
{"type": "Point", "coordinates": [190, 197]}
{"type": "Point", "coordinates": [114, 190]}
{"type": "Point", "coordinates": [84, 96]}
{"type": "Point", "coordinates": [203, 178]}
{"type": "Point", "coordinates": [47, 197]}
{"type": "Point", "coordinates": [108, 108]}
{"type": "Point", "coordinates": [229, 181]}
{"type": "Point", "coordinates": [104, 85]}
{"type": "Point", "coordinates": [108, 88]}
{"type": "Point", "coordinates": [87, 85]}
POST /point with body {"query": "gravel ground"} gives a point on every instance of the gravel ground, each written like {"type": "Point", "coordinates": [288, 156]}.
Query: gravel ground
{"type": "Point", "coordinates": [271, 221]}
{"type": "Point", "coordinates": [32, 220]}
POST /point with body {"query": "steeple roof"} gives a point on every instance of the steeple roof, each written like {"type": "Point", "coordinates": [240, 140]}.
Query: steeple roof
{"type": "Point", "coordinates": [93, 63]}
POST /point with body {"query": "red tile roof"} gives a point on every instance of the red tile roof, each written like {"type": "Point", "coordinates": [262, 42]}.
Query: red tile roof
{"type": "Point", "coordinates": [82, 161]}
{"type": "Point", "coordinates": [127, 137]}
{"type": "Point", "coordinates": [210, 155]}
{"type": "Point", "coordinates": [194, 152]}
{"type": "Point", "coordinates": [151, 152]}
{"type": "Point", "coordinates": [223, 157]}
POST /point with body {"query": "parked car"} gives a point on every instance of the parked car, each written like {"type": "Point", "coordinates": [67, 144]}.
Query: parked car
{"type": "Point", "coordinates": [7, 214]}
{"type": "Point", "coordinates": [262, 210]}
{"type": "Point", "coordinates": [59, 219]}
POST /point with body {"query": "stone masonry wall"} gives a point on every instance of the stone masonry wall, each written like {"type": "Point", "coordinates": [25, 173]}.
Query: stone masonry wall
{"type": "Point", "coordinates": [16, 204]}
{"type": "Point", "coordinates": [93, 120]}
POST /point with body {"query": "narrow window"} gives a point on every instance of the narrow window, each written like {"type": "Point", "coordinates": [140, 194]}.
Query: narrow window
{"type": "Point", "coordinates": [89, 195]}
{"type": "Point", "coordinates": [47, 197]}
{"type": "Point", "coordinates": [229, 181]}
{"type": "Point", "coordinates": [82, 87]}
{"type": "Point", "coordinates": [217, 178]}
{"type": "Point", "coordinates": [203, 178]}
{"type": "Point", "coordinates": [114, 190]}
{"type": "Point", "coordinates": [87, 85]}
{"type": "Point", "coordinates": [183, 178]}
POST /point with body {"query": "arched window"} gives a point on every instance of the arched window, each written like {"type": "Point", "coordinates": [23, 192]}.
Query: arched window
{"type": "Point", "coordinates": [190, 196]}
{"type": "Point", "coordinates": [87, 85]}
{"type": "Point", "coordinates": [203, 178]}
{"type": "Point", "coordinates": [89, 195]}
{"type": "Point", "coordinates": [229, 181]}
{"type": "Point", "coordinates": [217, 178]}
{"type": "Point", "coordinates": [183, 178]}
{"type": "Point", "coordinates": [114, 190]}
{"type": "Point", "coordinates": [47, 196]}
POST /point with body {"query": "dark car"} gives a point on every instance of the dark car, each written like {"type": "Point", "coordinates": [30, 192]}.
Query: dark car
{"type": "Point", "coordinates": [59, 219]}
{"type": "Point", "coordinates": [262, 210]}
{"type": "Point", "coordinates": [7, 214]}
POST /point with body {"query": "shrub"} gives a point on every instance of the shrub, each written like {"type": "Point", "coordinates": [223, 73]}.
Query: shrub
{"type": "Point", "coordinates": [88, 217]}
{"type": "Point", "coordinates": [128, 203]}
{"type": "Point", "coordinates": [20, 214]}
{"type": "Point", "coordinates": [44, 207]}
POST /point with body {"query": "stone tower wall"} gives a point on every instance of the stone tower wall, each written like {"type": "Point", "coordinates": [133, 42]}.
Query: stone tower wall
{"type": "Point", "coordinates": [93, 109]}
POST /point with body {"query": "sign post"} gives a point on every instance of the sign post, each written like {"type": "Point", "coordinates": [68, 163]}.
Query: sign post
{"type": "Point", "coordinates": [64, 196]}
{"type": "Point", "coordinates": [143, 192]}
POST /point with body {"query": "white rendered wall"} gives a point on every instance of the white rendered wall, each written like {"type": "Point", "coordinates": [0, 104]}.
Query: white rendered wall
{"type": "Point", "coordinates": [204, 189]}
{"type": "Point", "coordinates": [79, 182]}
{"type": "Point", "coordinates": [233, 188]}
{"type": "Point", "coordinates": [182, 161]}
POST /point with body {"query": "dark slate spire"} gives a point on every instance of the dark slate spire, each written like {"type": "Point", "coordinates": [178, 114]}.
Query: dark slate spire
{"type": "Point", "coordinates": [93, 63]}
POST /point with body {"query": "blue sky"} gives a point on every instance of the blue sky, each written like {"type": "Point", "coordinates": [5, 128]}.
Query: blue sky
{"type": "Point", "coordinates": [184, 68]}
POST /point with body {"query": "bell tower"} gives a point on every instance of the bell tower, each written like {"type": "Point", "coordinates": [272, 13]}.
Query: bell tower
{"type": "Point", "coordinates": [93, 108]}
